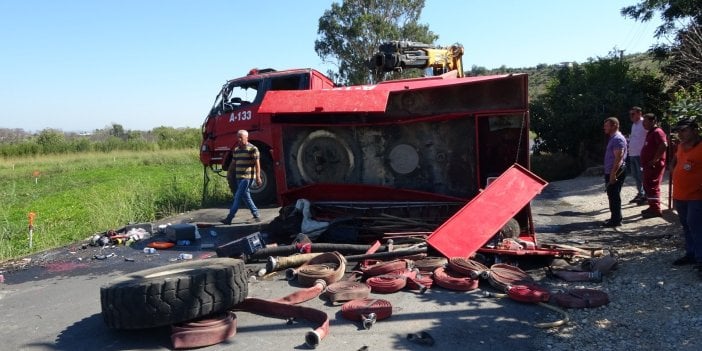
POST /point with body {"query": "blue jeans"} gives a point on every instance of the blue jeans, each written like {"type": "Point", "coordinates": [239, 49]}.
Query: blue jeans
{"type": "Point", "coordinates": [242, 191]}
{"type": "Point", "coordinates": [690, 214]}
{"type": "Point", "coordinates": [614, 197]}
{"type": "Point", "coordinates": [635, 169]}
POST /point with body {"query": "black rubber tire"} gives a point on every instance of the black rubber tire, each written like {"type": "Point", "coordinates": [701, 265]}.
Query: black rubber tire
{"type": "Point", "coordinates": [511, 229]}
{"type": "Point", "coordinates": [174, 293]}
{"type": "Point", "coordinates": [266, 193]}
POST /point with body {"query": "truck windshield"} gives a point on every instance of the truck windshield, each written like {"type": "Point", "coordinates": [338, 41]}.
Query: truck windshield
{"type": "Point", "coordinates": [235, 94]}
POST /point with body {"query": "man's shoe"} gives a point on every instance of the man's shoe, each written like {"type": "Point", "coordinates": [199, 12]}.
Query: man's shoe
{"type": "Point", "coordinates": [255, 220]}
{"type": "Point", "coordinates": [637, 199]}
{"type": "Point", "coordinates": [685, 260]}
{"type": "Point", "coordinates": [611, 224]}
{"type": "Point", "coordinates": [227, 220]}
{"type": "Point", "coordinates": [651, 213]}
{"type": "Point", "coordinates": [642, 202]}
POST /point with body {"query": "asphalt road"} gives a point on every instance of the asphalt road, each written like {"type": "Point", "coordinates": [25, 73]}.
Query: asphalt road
{"type": "Point", "coordinates": [53, 303]}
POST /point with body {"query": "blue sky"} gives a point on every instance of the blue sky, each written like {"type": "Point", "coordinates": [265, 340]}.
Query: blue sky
{"type": "Point", "coordinates": [80, 65]}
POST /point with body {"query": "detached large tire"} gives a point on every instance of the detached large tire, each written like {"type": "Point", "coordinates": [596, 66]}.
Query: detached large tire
{"type": "Point", "coordinates": [174, 293]}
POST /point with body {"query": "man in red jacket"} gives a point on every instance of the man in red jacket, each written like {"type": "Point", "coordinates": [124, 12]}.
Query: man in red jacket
{"type": "Point", "coordinates": [653, 165]}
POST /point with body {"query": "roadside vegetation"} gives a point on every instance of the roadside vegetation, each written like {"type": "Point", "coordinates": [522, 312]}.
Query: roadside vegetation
{"type": "Point", "coordinates": [76, 194]}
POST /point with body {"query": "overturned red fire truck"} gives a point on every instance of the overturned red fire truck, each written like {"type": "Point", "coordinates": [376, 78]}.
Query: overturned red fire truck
{"type": "Point", "coordinates": [416, 148]}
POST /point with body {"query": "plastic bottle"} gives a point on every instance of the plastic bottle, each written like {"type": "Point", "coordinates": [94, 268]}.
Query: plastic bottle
{"type": "Point", "coordinates": [185, 256]}
{"type": "Point", "coordinates": [149, 250]}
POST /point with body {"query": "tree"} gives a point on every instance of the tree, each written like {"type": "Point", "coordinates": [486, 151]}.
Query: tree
{"type": "Point", "coordinates": [686, 103]}
{"type": "Point", "coordinates": [117, 131]}
{"type": "Point", "coordinates": [685, 57]}
{"type": "Point", "coordinates": [350, 33]}
{"type": "Point", "coordinates": [568, 117]}
{"type": "Point", "coordinates": [682, 60]}
{"type": "Point", "coordinates": [51, 141]}
{"type": "Point", "coordinates": [673, 13]}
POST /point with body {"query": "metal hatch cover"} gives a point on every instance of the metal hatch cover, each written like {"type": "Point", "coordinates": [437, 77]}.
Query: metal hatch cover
{"type": "Point", "coordinates": [478, 221]}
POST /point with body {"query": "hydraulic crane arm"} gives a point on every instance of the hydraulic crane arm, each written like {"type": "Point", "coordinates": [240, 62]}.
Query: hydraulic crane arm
{"type": "Point", "coordinates": [400, 55]}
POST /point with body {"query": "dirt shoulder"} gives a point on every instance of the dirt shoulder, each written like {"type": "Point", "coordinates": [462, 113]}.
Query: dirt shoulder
{"type": "Point", "coordinates": [654, 305]}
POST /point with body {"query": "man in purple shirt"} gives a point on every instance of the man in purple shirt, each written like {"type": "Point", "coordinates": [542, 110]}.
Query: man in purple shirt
{"type": "Point", "coordinates": [614, 173]}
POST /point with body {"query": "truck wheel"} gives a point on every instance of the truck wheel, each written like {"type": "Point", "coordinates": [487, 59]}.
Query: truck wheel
{"type": "Point", "coordinates": [266, 193]}
{"type": "Point", "coordinates": [174, 293]}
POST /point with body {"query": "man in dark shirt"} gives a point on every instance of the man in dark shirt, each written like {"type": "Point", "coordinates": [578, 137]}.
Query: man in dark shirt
{"type": "Point", "coordinates": [653, 163]}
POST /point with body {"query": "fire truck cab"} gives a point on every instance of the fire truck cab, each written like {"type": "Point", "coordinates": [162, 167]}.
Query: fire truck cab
{"type": "Point", "coordinates": [237, 106]}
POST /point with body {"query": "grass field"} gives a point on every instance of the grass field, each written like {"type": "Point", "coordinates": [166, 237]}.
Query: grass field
{"type": "Point", "coordinates": [77, 195]}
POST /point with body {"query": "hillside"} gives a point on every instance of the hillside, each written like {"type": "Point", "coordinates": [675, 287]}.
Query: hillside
{"type": "Point", "coordinates": [540, 75]}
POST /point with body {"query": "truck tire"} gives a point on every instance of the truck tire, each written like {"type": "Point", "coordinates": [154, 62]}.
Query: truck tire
{"type": "Point", "coordinates": [266, 193]}
{"type": "Point", "coordinates": [174, 293]}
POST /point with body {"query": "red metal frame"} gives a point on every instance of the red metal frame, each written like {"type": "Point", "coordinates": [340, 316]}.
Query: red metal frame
{"type": "Point", "coordinates": [478, 221]}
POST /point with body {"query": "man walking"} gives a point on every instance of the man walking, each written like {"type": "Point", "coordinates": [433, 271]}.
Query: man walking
{"type": "Point", "coordinates": [687, 190]}
{"type": "Point", "coordinates": [614, 170]}
{"type": "Point", "coordinates": [653, 163]}
{"type": "Point", "coordinates": [244, 169]}
{"type": "Point", "coordinates": [637, 139]}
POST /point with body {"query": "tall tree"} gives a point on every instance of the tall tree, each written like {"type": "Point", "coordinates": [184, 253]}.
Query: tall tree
{"type": "Point", "coordinates": [682, 20]}
{"type": "Point", "coordinates": [350, 33]}
{"type": "Point", "coordinates": [684, 62]}
{"type": "Point", "coordinates": [674, 13]}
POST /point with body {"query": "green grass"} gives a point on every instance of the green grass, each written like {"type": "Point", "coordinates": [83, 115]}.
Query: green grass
{"type": "Point", "coordinates": [77, 195]}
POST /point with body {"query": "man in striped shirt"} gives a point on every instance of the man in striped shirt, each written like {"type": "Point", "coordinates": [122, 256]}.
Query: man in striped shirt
{"type": "Point", "coordinates": [244, 169]}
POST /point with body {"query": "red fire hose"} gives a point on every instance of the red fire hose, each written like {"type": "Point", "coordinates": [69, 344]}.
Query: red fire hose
{"type": "Point", "coordinates": [380, 267]}
{"type": "Point", "coordinates": [277, 309]}
{"type": "Point", "coordinates": [367, 311]}
{"type": "Point", "coordinates": [347, 290]}
{"type": "Point", "coordinates": [204, 332]}
{"type": "Point", "coordinates": [452, 280]}
{"type": "Point", "coordinates": [387, 283]}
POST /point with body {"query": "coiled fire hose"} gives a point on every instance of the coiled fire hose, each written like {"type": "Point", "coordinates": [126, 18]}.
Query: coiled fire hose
{"type": "Point", "coordinates": [283, 310]}
{"type": "Point", "coordinates": [467, 267]}
{"type": "Point", "coordinates": [387, 283]}
{"type": "Point", "coordinates": [329, 267]}
{"type": "Point", "coordinates": [452, 280]}
{"type": "Point", "coordinates": [367, 310]}
{"type": "Point", "coordinates": [204, 332]}
{"type": "Point", "coordinates": [520, 286]}
{"type": "Point", "coordinates": [380, 267]}
{"type": "Point", "coordinates": [346, 290]}
{"type": "Point", "coordinates": [429, 264]}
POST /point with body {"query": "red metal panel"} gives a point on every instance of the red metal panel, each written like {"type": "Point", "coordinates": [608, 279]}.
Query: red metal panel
{"type": "Point", "coordinates": [320, 101]}
{"type": "Point", "coordinates": [479, 220]}
{"type": "Point", "coordinates": [361, 98]}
